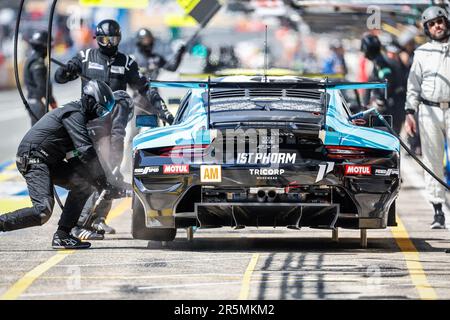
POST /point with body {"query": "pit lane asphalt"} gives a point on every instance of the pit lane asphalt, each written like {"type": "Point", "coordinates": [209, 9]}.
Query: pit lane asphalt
{"type": "Point", "coordinates": [406, 262]}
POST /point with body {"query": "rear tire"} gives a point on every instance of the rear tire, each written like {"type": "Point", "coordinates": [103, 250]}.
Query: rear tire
{"type": "Point", "coordinates": [141, 232]}
{"type": "Point", "coordinates": [392, 221]}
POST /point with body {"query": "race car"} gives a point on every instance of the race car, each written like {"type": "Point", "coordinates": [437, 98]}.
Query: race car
{"type": "Point", "coordinates": [260, 151]}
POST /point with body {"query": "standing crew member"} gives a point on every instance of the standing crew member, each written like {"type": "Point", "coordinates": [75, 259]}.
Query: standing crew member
{"type": "Point", "coordinates": [429, 95]}
{"type": "Point", "coordinates": [151, 64]}
{"type": "Point", "coordinates": [117, 69]}
{"type": "Point", "coordinates": [61, 134]}
{"type": "Point", "coordinates": [385, 69]}
{"type": "Point", "coordinates": [35, 77]}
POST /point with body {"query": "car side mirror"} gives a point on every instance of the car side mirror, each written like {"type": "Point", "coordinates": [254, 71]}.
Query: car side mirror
{"type": "Point", "coordinates": [149, 121]}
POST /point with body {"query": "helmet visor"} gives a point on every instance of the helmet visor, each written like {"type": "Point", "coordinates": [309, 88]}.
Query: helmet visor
{"type": "Point", "coordinates": [107, 40]}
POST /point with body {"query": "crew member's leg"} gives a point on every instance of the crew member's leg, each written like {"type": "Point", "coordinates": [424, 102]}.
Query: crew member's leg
{"type": "Point", "coordinates": [66, 176]}
{"type": "Point", "coordinates": [432, 128]}
{"type": "Point", "coordinates": [40, 188]}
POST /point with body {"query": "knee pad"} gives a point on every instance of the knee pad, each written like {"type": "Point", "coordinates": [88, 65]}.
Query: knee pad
{"type": "Point", "coordinates": [45, 212]}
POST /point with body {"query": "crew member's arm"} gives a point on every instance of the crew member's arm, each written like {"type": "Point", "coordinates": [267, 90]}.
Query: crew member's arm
{"type": "Point", "coordinates": [71, 71]}
{"type": "Point", "coordinates": [38, 72]}
{"type": "Point", "coordinates": [174, 61]}
{"type": "Point", "coordinates": [140, 83]}
{"type": "Point", "coordinates": [414, 88]}
{"type": "Point", "coordinates": [75, 124]}
{"type": "Point", "coordinates": [119, 118]}
{"type": "Point", "coordinates": [413, 92]}
{"type": "Point", "coordinates": [135, 79]}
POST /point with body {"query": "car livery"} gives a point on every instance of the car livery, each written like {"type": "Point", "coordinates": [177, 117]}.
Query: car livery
{"type": "Point", "coordinates": [263, 151]}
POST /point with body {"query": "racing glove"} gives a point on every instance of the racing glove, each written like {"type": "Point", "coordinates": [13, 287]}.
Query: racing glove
{"type": "Point", "coordinates": [170, 119]}
{"type": "Point", "coordinates": [71, 68]}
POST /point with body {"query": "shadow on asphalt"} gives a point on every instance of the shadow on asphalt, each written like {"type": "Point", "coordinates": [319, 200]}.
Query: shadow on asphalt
{"type": "Point", "coordinates": [381, 245]}
{"type": "Point", "coordinates": [378, 245]}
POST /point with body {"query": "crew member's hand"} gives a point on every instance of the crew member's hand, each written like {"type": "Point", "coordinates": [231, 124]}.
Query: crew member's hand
{"type": "Point", "coordinates": [410, 125]}
{"type": "Point", "coordinates": [170, 119]}
{"type": "Point", "coordinates": [71, 68]}
{"type": "Point", "coordinates": [182, 49]}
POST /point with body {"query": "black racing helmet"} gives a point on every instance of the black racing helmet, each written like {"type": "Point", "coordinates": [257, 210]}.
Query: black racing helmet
{"type": "Point", "coordinates": [433, 13]}
{"type": "Point", "coordinates": [370, 46]}
{"type": "Point", "coordinates": [103, 96]}
{"type": "Point", "coordinates": [108, 36]}
{"type": "Point", "coordinates": [39, 39]}
{"type": "Point", "coordinates": [145, 40]}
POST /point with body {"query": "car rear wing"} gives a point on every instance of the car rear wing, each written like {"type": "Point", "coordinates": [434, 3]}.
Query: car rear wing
{"type": "Point", "coordinates": [269, 83]}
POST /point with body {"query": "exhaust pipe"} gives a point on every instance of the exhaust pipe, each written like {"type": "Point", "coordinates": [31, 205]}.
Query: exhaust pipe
{"type": "Point", "coordinates": [261, 196]}
{"type": "Point", "coordinates": [271, 195]}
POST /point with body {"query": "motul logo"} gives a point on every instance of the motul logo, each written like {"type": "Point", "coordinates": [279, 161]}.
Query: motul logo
{"type": "Point", "coordinates": [175, 168]}
{"type": "Point", "coordinates": [358, 170]}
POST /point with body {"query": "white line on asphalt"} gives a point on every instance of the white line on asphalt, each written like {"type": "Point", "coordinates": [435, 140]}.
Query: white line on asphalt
{"type": "Point", "coordinates": [64, 293]}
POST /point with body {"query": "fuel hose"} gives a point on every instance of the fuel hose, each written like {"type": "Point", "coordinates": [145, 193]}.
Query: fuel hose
{"type": "Point", "coordinates": [407, 149]}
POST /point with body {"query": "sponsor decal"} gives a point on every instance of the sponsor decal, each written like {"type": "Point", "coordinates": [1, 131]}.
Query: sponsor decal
{"type": "Point", "coordinates": [118, 69]}
{"type": "Point", "coordinates": [324, 169]}
{"type": "Point", "coordinates": [210, 173]}
{"type": "Point", "coordinates": [386, 172]}
{"type": "Point", "coordinates": [266, 158]}
{"type": "Point", "coordinates": [146, 170]}
{"type": "Point", "coordinates": [364, 170]}
{"type": "Point", "coordinates": [93, 65]}
{"type": "Point", "coordinates": [175, 168]}
{"type": "Point", "coordinates": [266, 173]}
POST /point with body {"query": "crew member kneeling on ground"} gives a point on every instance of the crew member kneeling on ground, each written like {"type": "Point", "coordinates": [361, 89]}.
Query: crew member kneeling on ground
{"type": "Point", "coordinates": [41, 160]}
{"type": "Point", "coordinates": [429, 94]}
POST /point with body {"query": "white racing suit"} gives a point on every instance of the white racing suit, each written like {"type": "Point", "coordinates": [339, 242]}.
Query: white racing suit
{"type": "Point", "coordinates": [429, 94]}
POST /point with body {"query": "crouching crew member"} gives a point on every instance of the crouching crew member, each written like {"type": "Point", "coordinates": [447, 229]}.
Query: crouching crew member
{"type": "Point", "coordinates": [41, 160]}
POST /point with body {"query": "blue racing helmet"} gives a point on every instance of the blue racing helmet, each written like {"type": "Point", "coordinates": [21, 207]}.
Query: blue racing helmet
{"type": "Point", "coordinates": [103, 96]}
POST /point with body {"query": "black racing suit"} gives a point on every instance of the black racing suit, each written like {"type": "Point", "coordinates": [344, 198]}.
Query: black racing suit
{"type": "Point", "coordinates": [35, 78]}
{"type": "Point", "coordinates": [390, 70]}
{"type": "Point", "coordinates": [108, 133]}
{"type": "Point", "coordinates": [41, 160]}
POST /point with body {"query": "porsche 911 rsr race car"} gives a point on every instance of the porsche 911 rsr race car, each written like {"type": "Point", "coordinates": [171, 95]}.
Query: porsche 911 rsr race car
{"type": "Point", "coordinates": [263, 151]}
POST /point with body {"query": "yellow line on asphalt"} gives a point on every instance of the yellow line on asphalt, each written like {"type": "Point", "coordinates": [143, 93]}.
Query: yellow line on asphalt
{"type": "Point", "coordinates": [413, 264]}
{"type": "Point", "coordinates": [27, 280]}
{"type": "Point", "coordinates": [118, 210]}
{"type": "Point", "coordinates": [12, 166]}
{"type": "Point", "coordinates": [245, 288]}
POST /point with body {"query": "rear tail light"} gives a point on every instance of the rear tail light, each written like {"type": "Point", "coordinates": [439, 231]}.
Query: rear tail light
{"type": "Point", "coordinates": [341, 152]}
{"type": "Point", "coordinates": [187, 151]}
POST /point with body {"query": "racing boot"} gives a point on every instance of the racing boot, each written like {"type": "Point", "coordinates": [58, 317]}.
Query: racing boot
{"type": "Point", "coordinates": [99, 224]}
{"type": "Point", "coordinates": [87, 234]}
{"type": "Point", "coordinates": [63, 240]}
{"type": "Point", "coordinates": [439, 217]}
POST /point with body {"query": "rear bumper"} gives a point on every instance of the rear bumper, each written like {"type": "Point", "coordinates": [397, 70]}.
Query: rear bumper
{"type": "Point", "coordinates": [164, 209]}
{"type": "Point", "coordinates": [170, 201]}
